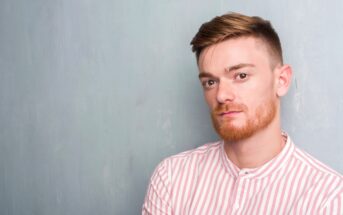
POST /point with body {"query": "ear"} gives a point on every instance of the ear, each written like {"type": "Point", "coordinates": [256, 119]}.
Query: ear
{"type": "Point", "coordinates": [283, 79]}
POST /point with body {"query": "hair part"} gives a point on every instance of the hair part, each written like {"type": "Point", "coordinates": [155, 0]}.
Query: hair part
{"type": "Point", "coordinates": [235, 25]}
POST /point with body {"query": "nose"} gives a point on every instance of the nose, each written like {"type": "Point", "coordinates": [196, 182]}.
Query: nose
{"type": "Point", "coordinates": [225, 93]}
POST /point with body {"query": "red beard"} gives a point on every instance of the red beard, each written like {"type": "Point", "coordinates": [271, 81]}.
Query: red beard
{"type": "Point", "coordinates": [263, 116]}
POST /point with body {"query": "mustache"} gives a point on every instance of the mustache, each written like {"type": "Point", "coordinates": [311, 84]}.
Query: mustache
{"type": "Point", "coordinates": [229, 107]}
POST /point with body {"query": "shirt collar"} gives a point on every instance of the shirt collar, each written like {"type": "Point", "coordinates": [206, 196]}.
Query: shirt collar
{"type": "Point", "coordinates": [266, 169]}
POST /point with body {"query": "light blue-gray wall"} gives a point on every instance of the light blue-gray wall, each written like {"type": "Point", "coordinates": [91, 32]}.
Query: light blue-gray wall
{"type": "Point", "coordinates": [93, 94]}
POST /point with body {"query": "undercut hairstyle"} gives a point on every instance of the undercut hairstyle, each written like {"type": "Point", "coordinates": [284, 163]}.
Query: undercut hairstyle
{"type": "Point", "coordinates": [235, 25]}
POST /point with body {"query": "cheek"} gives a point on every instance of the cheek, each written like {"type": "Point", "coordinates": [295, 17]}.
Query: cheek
{"type": "Point", "coordinates": [262, 91]}
{"type": "Point", "coordinates": [210, 98]}
{"type": "Point", "coordinates": [256, 99]}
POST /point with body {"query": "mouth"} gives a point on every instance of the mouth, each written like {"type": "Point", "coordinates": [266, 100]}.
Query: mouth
{"type": "Point", "coordinates": [230, 113]}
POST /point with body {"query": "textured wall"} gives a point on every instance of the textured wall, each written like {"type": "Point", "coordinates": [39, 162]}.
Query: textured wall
{"type": "Point", "coordinates": [93, 94]}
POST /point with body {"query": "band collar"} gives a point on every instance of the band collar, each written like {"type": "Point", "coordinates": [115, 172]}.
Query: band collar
{"type": "Point", "coordinates": [266, 169]}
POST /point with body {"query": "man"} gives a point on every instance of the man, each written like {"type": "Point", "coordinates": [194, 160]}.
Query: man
{"type": "Point", "coordinates": [255, 168]}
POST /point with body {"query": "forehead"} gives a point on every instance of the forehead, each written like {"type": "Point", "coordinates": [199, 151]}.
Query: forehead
{"type": "Point", "coordinates": [247, 50]}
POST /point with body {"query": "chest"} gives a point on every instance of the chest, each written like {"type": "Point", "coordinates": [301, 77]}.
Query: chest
{"type": "Point", "coordinates": [217, 192]}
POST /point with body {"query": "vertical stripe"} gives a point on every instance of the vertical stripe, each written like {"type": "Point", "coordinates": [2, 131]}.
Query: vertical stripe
{"type": "Point", "coordinates": [215, 192]}
{"type": "Point", "coordinates": [286, 187]}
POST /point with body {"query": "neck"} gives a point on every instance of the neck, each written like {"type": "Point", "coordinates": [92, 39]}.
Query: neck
{"type": "Point", "coordinates": [258, 149]}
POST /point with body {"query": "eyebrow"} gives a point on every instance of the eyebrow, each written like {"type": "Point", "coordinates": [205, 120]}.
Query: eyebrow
{"type": "Point", "coordinates": [228, 69]}
{"type": "Point", "coordinates": [205, 75]}
{"type": "Point", "coordinates": [238, 66]}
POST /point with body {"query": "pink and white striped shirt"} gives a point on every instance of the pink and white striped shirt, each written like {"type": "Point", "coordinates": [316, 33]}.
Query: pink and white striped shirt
{"type": "Point", "coordinates": [205, 181]}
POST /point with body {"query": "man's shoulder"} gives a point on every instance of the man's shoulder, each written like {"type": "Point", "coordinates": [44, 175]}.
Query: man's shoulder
{"type": "Point", "coordinates": [198, 151]}
{"type": "Point", "coordinates": [316, 165]}
{"type": "Point", "coordinates": [195, 156]}
{"type": "Point", "coordinates": [321, 181]}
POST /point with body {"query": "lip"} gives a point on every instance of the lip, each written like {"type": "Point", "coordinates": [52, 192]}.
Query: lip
{"type": "Point", "coordinates": [230, 113]}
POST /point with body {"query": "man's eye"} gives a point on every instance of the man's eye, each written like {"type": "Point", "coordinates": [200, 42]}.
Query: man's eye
{"type": "Point", "coordinates": [241, 76]}
{"type": "Point", "coordinates": [208, 83]}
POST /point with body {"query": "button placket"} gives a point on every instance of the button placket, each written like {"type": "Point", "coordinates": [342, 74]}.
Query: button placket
{"type": "Point", "coordinates": [238, 200]}
{"type": "Point", "coordinates": [236, 204]}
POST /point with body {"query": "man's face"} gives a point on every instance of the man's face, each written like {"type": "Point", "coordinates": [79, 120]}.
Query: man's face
{"type": "Point", "coordinates": [239, 86]}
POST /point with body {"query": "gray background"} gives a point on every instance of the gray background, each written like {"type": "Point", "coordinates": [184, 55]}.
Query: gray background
{"type": "Point", "coordinates": [93, 94]}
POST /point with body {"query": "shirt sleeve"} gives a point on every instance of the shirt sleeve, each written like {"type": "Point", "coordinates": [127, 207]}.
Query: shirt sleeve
{"type": "Point", "coordinates": [157, 200]}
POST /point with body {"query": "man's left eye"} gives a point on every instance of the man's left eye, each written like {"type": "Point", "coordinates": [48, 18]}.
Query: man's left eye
{"type": "Point", "coordinates": [241, 76]}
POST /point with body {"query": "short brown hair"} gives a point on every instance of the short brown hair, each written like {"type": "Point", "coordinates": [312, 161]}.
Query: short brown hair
{"type": "Point", "coordinates": [234, 25]}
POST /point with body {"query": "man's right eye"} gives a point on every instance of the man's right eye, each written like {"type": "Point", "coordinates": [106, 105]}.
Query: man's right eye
{"type": "Point", "coordinates": [208, 84]}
